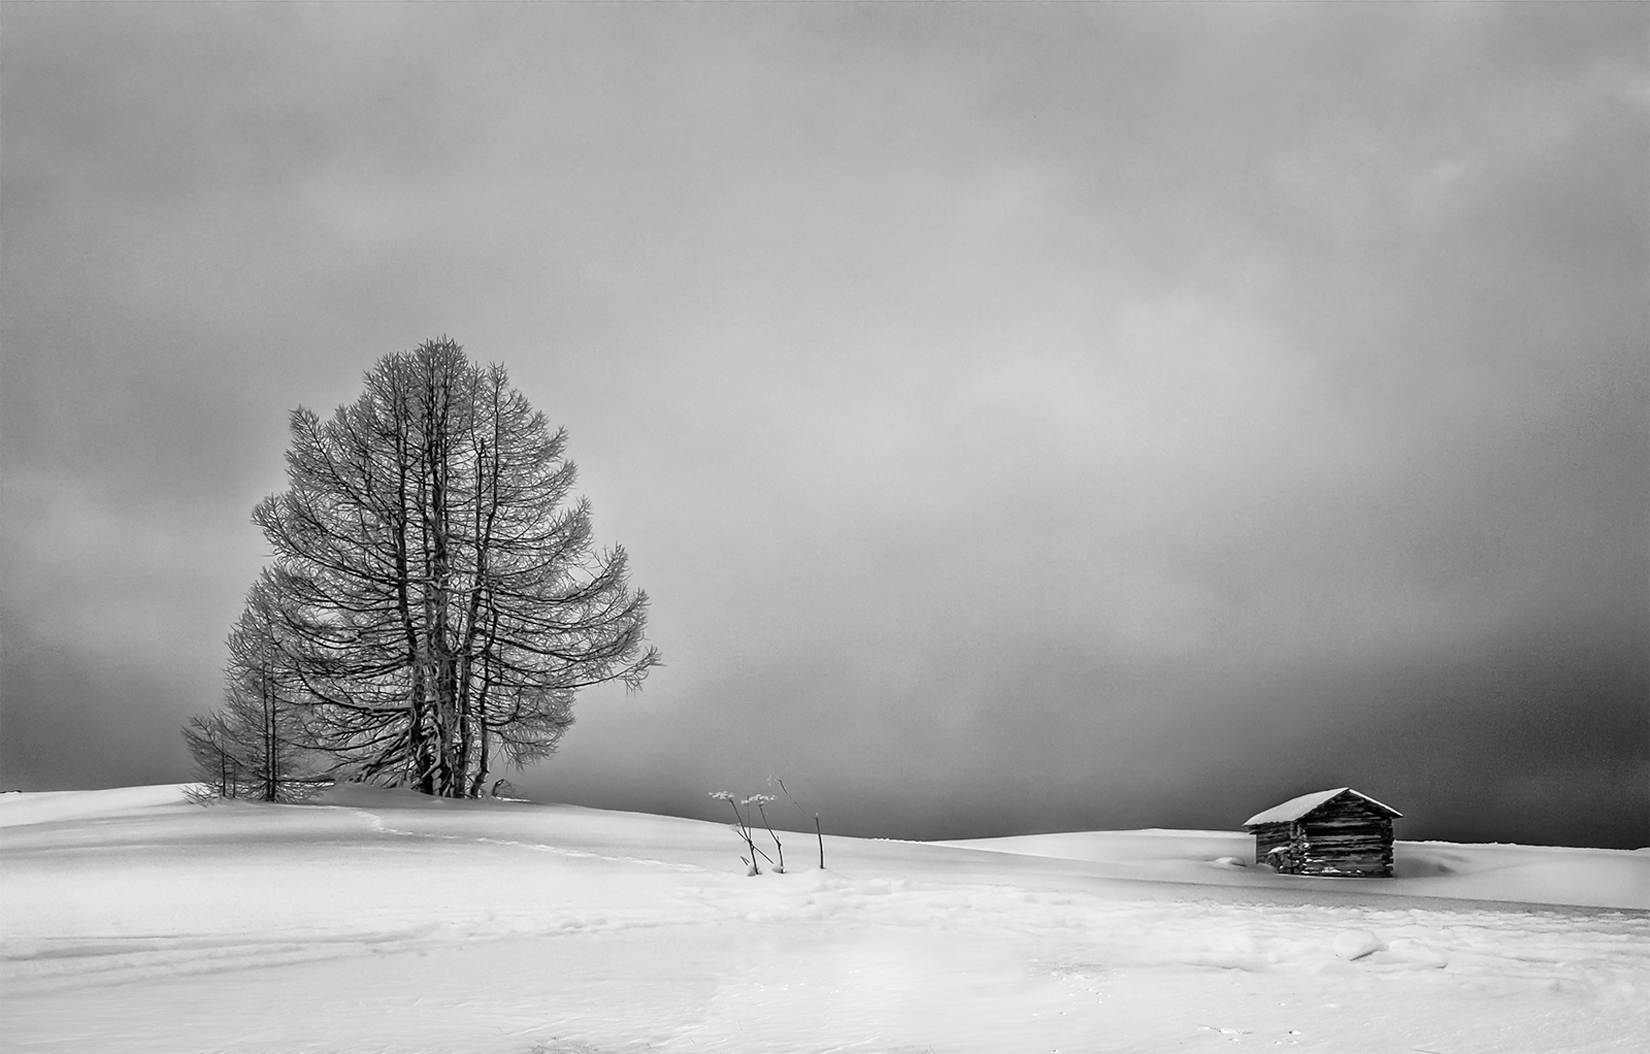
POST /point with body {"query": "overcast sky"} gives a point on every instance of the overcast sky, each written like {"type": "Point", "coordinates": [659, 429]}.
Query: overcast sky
{"type": "Point", "coordinates": [1023, 417]}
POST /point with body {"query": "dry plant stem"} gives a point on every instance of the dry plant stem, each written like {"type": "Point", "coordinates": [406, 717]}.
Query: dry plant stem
{"type": "Point", "coordinates": [744, 832]}
{"type": "Point", "coordinates": [786, 791]}
{"type": "Point", "coordinates": [781, 849]}
{"type": "Point", "coordinates": [756, 850]}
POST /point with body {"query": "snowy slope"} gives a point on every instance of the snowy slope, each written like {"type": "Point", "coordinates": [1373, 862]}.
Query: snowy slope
{"type": "Point", "coordinates": [133, 921]}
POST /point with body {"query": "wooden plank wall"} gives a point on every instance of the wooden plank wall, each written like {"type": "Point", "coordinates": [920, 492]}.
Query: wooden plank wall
{"type": "Point", "coordinates": [1345, 837]}
{"type": "Point", "coordinates": [1269, 836]}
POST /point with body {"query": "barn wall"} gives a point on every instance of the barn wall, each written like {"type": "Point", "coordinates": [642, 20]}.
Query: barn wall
{"type": "Point", "coordinates": [1345, 837]}
{"type": "Point", "coordinates": [1269, 836]}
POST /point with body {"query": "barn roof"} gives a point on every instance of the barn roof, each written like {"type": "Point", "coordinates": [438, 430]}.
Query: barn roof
{"type": "Point", "coordinates": [1295, 808]}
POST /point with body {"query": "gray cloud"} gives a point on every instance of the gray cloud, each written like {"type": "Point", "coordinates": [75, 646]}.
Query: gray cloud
{"type": "Point", "coordinates": [1021, 416]}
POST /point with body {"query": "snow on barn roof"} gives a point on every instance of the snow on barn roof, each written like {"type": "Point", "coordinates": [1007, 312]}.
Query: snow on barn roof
{"type": "Point", "coordinates": [1295, 808]}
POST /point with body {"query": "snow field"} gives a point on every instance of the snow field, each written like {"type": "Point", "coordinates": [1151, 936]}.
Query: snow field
{"type": "Point", "coordinates": [383, 922]}
{"type": "Point", "coordinates": [1606, 878]}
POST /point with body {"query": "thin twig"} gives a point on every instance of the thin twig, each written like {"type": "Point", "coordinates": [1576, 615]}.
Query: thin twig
{"type": "Point", "coordinates": [817, 833]}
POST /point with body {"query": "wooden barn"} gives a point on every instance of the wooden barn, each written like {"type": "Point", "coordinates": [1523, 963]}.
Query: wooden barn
{"type": "Point", "coordinates": [1334, 832]}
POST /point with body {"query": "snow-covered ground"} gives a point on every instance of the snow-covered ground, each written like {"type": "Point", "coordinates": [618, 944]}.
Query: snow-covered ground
{"type": "Point", "coordinates": [131, 921]}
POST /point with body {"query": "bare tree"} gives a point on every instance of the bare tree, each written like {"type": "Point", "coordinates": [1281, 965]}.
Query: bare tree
{"type": "Point", "coordinates": [254, 745]}
{"type": "Point", "coordinates": [216, 753]}
{"type": "Point", "coordinates": [436, 600]}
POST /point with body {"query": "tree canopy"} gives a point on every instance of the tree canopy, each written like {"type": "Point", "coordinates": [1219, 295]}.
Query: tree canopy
{"type": "Point", "coordinates": [436, 599]}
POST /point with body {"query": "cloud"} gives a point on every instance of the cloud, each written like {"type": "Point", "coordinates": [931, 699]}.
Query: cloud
{"type": "Point", "coordinates": [1019, 415]}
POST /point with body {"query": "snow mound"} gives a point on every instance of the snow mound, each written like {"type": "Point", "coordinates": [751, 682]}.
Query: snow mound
{"type": "Point", "coordinates": [18, 808]}
{"type": "Point", "coordinates": [1355, 944]}
{"type": "Point", "coordinates": [365, 795]}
